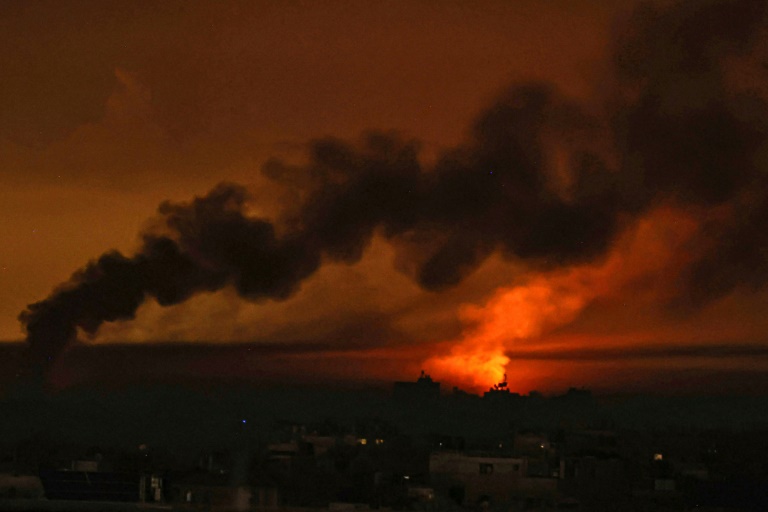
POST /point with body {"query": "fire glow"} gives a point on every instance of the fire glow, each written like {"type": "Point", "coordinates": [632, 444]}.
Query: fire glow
{"type": "Point", "coordinates": [524, 314]}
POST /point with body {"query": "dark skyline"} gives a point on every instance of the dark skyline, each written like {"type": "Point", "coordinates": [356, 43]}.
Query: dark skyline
{"type": "Point", "coordinates": [568, 193]}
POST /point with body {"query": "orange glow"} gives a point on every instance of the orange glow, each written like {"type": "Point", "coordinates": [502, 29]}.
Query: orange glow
{"type": "Point", "coordinates": [516, 316]}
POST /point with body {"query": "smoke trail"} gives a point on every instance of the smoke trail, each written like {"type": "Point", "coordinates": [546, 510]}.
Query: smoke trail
{"type": "Point", "coordinates": [487, 196]}
{"type": "Point", "coordinates": [540, 180]}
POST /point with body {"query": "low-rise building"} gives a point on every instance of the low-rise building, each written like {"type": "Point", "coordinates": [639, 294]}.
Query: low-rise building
{"type": "Point", "coordinates": [482, 478]}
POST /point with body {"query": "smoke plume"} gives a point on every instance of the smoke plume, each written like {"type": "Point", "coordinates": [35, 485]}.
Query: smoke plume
{"type": "Point", "coordinates": [541, 179]}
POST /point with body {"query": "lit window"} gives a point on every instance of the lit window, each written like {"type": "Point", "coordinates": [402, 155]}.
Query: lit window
{"type": "Point", "coordinates": [658, 456]}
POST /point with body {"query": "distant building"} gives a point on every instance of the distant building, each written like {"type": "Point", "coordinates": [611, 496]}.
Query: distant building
{"type": "Point", "coordinates": [83, 485]}
{"type": "Point", "coordinates": [591, 442]}
{"type": "Point", "coordinates": [203, 489]}
{"type": "Point", "coordinates": [593, 471]}
{"type": "Point", "coordinates": [577, 396]}
{"type": "Point", "coordinates": [471, 479]}
{"type": "Point", "coordinates": [423, 391]}
{"type": "Point", "coordinates": [499, 388]}
{"type": "Point", "coordinates": [500, 394]}
{"type": "Point", "coordinates": [532, 444]}
{"type": "Point", "coordinates": [13, 486]}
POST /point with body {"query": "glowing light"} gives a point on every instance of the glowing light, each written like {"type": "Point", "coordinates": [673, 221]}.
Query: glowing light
{"type": "Point", "coordinates": [477, 367]}
{"type": "Point", "coordinates": [517, 314]}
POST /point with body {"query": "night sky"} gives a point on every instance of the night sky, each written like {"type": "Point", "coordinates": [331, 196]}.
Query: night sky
{"type": "Point", "coordinates": [571, 193]}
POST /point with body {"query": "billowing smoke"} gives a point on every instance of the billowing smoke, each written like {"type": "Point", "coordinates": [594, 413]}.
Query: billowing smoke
{"type": "Point", "coordinates": [691, 127]}
{"type": "Point", "coordinates": [541, 180]}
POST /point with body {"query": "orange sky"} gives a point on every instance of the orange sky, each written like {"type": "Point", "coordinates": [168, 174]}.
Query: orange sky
{"type": "Point", "coordinates": [109, 108]}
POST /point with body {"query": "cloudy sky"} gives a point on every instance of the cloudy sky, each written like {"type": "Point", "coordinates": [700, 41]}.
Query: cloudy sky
{"type": "Point", "coordinates": [568, 192]}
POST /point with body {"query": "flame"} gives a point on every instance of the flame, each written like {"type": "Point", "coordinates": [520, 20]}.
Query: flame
{"type": "Point", "coordinates": [511, 315]}
{"type": "Point", "coordinates": [643, 258]}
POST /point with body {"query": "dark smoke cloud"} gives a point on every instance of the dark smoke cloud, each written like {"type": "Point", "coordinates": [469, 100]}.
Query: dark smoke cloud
{"type": "Point", "coordinates": [683, 132]}
{"type": "Point", "coordinates": [737, 256]}
{"type": "Point", "coordinates": [534, 181]}
{"type": "Point", "coordinates": [495, 193]}
{"type": "Point", "coordinates": [687, 133]}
